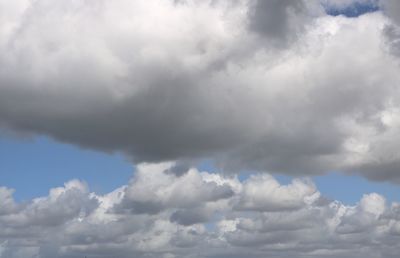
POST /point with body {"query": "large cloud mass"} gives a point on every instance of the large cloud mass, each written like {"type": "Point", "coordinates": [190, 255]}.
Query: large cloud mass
{"type": "Point", "coordinates": [155, 215]}
{"type": "Point", "coordinates": [265, 85]}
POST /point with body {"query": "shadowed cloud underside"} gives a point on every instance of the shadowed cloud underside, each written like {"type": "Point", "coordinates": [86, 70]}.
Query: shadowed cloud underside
{"type": "Point", "coordinates": [274, 86]}
{"type": "Point", "coordinates": [290, 87]}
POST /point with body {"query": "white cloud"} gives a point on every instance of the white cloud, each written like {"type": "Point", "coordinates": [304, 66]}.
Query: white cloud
{"type": "Point", "coordinates": [282, 220]}
{"type": "Point", "coordinates": [7, 204]}
{"type": "Point", "coordinates": [61, 205]}
{"type": "Point", "coordinates": [153, 190]}
{"type": "Point", "coordinates": [264, 193]}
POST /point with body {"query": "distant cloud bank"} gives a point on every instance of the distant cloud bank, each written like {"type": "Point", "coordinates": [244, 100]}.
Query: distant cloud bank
{"type": "Point", "coordinates": [197, 214]}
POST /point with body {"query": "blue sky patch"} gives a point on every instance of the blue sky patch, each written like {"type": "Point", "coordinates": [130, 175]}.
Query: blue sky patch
{"type": "Point", "coordinates": [33, 166]}
{"type": "Point", "coordinates": [354, 10]}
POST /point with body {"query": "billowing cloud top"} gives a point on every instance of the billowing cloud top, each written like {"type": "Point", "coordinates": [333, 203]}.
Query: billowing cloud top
{"type": "Point", "coordinates": [276, 86]}
{"type": "Point", "coordinates": [197, 214]}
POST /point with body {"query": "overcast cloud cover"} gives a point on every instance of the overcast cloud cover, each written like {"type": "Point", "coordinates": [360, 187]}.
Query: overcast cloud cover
{"type": "Point", "coordinates": [272, 86]}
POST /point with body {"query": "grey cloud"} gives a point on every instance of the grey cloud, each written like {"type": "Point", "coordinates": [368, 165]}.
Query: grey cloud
{"type": "Point", "coordinates": [139, 207]}
{"type": "Point", "coordinates": [196, 82]}
{"type": "Point", "coordinates": [391, 8]}
{"type": "Point", "coordinates": [392, 31]}
{"type": "Point", "coordinates": [280, 22]}
{"type": "Point", "coordinates": [190, 217]}
{"type": "Point", "coordinates": [179, 168]}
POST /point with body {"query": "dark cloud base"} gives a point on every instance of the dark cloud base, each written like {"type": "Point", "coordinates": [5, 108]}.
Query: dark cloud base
{"type": "Point", "coordinates": [276, 86]}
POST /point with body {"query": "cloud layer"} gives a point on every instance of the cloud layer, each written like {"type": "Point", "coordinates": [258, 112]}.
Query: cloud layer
{"type": "Point", "coordinates": [274, 86]}
{"type": "Point", "coordinates": [197, 214]}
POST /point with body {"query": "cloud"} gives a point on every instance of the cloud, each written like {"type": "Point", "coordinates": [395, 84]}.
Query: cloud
{"type": "Point", "coordinates": [151, 191]}
{"type": "Point", "coordinates": [286, 220]}
{"type": "Point", "coordinates": [62, 204]}
{"type": "Point", "coordinates": [264, 193]}
{"type": "Point", "coordinates": [266, 86]}
{"type": "Point", "coordinates": [277, 86]}
{"type": "Point", "coordinates": [391, 9]}
{"type": "Point", "coordinates": [7, 205]}
{"type": "Point", "coordinates": [392, 29]}
{"type": "Point", "coordinates": [280, 22]}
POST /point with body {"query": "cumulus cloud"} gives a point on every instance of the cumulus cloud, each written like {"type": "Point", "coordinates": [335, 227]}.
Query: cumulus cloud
{"type": "Point", "coordinates": [7, 202]}
{"type": "Point", "coordinates": [264, 193]}
{"type": "Point", "coordinates": [274, 86]}
{"type": "Point", "coordinates": [150, 192]}
{"type": "Point", "coordinates": [259, 217]}
{"type": "Point", "coordinates": [62, 204]}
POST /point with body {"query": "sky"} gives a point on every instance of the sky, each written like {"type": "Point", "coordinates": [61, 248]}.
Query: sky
{"type": "Point", "coordinates": [53, 163]}
{"type": "Point", "coordinates": [212, 128]}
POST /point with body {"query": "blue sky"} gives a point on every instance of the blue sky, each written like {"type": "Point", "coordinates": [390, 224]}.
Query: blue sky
{"type": "Point", "coordinates": [33, 166]}
{"type": "Point", "coordinates": [354, 10]}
